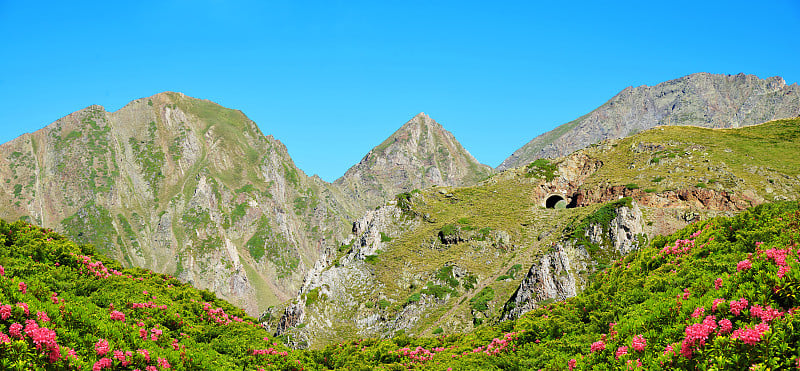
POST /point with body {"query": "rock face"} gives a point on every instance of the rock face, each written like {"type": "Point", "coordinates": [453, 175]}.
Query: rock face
{"type": "Point", "coordinates": [420, 154]}
{"type": "Point", "coordinates": [702, 99]}
{"type": "Point", "coordinates": [555, 276]}
{"type": "Point", "coordinates": [181, 186]}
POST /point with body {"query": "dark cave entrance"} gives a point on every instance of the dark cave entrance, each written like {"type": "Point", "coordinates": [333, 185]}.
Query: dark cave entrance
{"type": "Point", "coordinates": [555, 202]}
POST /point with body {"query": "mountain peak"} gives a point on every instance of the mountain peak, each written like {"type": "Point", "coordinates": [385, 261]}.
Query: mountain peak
{"type": "Point", "coordinates": [419, 154]}
{"type": "Point", "coordinates": [700, 99]}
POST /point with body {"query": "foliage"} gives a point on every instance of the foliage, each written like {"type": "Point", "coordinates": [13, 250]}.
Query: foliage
{"type": "Point", "coordinates": [79, 310]}
{"type": "Point", "coordinates": [541, 168]}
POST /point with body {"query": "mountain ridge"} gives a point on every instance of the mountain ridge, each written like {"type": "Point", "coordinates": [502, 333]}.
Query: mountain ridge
{"type": "Point", "coordinates": [701, 99]}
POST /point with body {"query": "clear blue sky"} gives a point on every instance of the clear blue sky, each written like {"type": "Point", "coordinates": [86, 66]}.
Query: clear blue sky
{"type": "Point", "coordinates": [332, 79]}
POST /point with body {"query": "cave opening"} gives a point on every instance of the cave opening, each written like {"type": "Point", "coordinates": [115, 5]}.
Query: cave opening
{"type": "Point", "coordinates": [556, 202]}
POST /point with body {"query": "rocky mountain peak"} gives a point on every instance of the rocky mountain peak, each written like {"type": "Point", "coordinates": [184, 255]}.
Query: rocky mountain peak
{"type": "Point", "coordinates": [700, 99]}
{"type": "Point", "coordinates": [419, 154]}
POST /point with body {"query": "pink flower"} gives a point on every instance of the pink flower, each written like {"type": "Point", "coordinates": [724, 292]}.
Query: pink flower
{"type": "Point", "coordinates": [638, 343]}
{"type": "Point", "coordinates": [718, 283]}
{"type": "Point", "coordinates": [23, 288]}
{"type": "Point", "coordinates": [738, 305]}
{"type": "Point", "coordinates": [102, 363]}
{"type": "Point", "coordinates": [744, 265]}
{"type": "Point", "coordinates": [621, 351]}
{"type": "Point", "coordinates": [698, 312]}
{"type": "Point", "coordinates": [572, 363]}
{"type": "Point", "coordinates": [43, 316]}
{"type": "Point", "coordinates": [155, 333]}
{"type": "Point", "coordinates": [118, 316]}
{"type": "Point", "coordinates": [101, 347]}
{"type": "Point", "coordinates": [686, 294]}
{"type": "Point", "coordinates": [5, 311]}
{"type": "Point", "coordinates": [783, 270]}
{"type": "Point", "coordinates": [598, 346]}
{"type": "Point", "coordinates": [144, 353]}
{"type": "Point", "coordinates": [163, 363]}
{"type": "Point", "coordinates": [15, 330]}
{"type": "Point", "coordinates": [725, 326]}
{"type": "Point", "coordinates": [4, 339]}
{"type": "Point", "coordinates": [751, 336]}
{"type": "Point", "coordinates": [2, 271]}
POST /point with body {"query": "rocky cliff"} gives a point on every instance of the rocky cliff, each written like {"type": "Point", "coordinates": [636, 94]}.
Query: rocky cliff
{"type": "Point", "coordinates": [702, 99]}
{"type": "Point", "coordinates": [557, 276]}
{"type": "Point", "coordinates": [418, 155]}
{"type": "Point", "coordinates": [182, 186]}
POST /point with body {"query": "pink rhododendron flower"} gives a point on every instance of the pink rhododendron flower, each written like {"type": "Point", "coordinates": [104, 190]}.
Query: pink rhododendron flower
{"type": "Point", "coordinates": [698, 312]}
{"type": "Point", "coordinates": [783, 270]}
{"type": "Point", "coordinates": [751, 336]}
{"type": "Point", "coordinates": [738, 305]}
{"type": "Point", "coordinates": [2, 271]}
{"type": "Point", "coordinates": [101, 347]}
{"type": "Point", "coordinates": [118, 316]}
{"type": "Point", "coordinates": [621, 351]}
{"type": "Point", "coordinates": [725, 326]}
{"type": "Point", "coordinates": [744, 265]}
{"type": "Point", "coordinates": [598, 346]}
{"type": "Point", "coordinates": [43, 316]}
{"type": "Point", "coordinates": [571, 364]}
{"type": "Point", "coordinates": [145, 353]}
{"type": "Point", "coordinates": [718, 283]}
{"type": "Point", "coordinates": [163, 363]}
{"type": "Point", "coordinates": [23, 288]}
{"type": "Point", "coordinates": [15, 330]}
{"type": "Point", "coordinates": [5, 311]}
{"type": "Point", "coordinates": [102, 363]}
{"type": "Point", "coordinates": [638, 343]}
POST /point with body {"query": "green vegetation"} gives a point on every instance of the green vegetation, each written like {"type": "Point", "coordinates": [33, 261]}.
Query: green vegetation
{"type": "Point", "coordinates": [385, 238]}
{"type": "Point", "coordinates": [481, 299]}
{"type": "Point", "coordinates": [541, 168]}
{"type": "Point", "coordinates": [510, 273]}
{"type": "Point", "coordinates": [75, 299]}
{"type": "Point", "coordinates": [632, 186]}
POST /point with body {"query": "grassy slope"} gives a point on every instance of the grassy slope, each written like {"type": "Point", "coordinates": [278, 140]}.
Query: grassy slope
{"type": "Point", "coordinates": [759, 155]}
{"type": "Point", "coordinates": [71, 291]}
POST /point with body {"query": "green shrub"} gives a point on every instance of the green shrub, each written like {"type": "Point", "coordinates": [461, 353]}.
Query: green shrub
{"type": "Point", "coordinates": [481, 299]}
{"type": "Point", "coordinates": [632, 186]}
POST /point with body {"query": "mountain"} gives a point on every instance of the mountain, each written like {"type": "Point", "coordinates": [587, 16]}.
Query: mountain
{"type": "Point", "coordinates": [187, 187]}
{"type": "Point", "coordinates": [418, 155]}
{"type": "Point", "coordinates": [449, 260]}
{"type": "Point", "coordinates": [181, 186]}
{"type": "Point", "coordinates": [702, 99]}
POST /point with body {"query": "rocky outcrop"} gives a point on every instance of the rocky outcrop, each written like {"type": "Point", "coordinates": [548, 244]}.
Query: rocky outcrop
{"type": "Point", "coordinates": [418, 155]}
{"type": "Point", "coordinates": [563, 271]}
{"type": "Point", "coordinates": [701, 198]}
{"type": "Point", "coordinates": [702, 99]}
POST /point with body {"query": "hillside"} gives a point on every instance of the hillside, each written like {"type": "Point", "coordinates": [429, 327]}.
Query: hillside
{"type": "Point", "coordinates": [719, 293]}
{"type": "Point", "coordinates": [64, 307]}
{"type": "Point", "coordinates": [448, 259]}
{"type": "Point", "coordinates": [701, 99]}
{"type": "Point", "coordinates": [418, 155]}
{"type": "Point", "coordinates": [182, 186]}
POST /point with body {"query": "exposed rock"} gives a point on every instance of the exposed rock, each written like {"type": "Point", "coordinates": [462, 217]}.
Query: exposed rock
{"type": "Point", "coordinates": [701, 99]}
{"type": "Point", "coordinates": [561, 273]}
{"type": "Point", "coordinates": [420, 154]}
